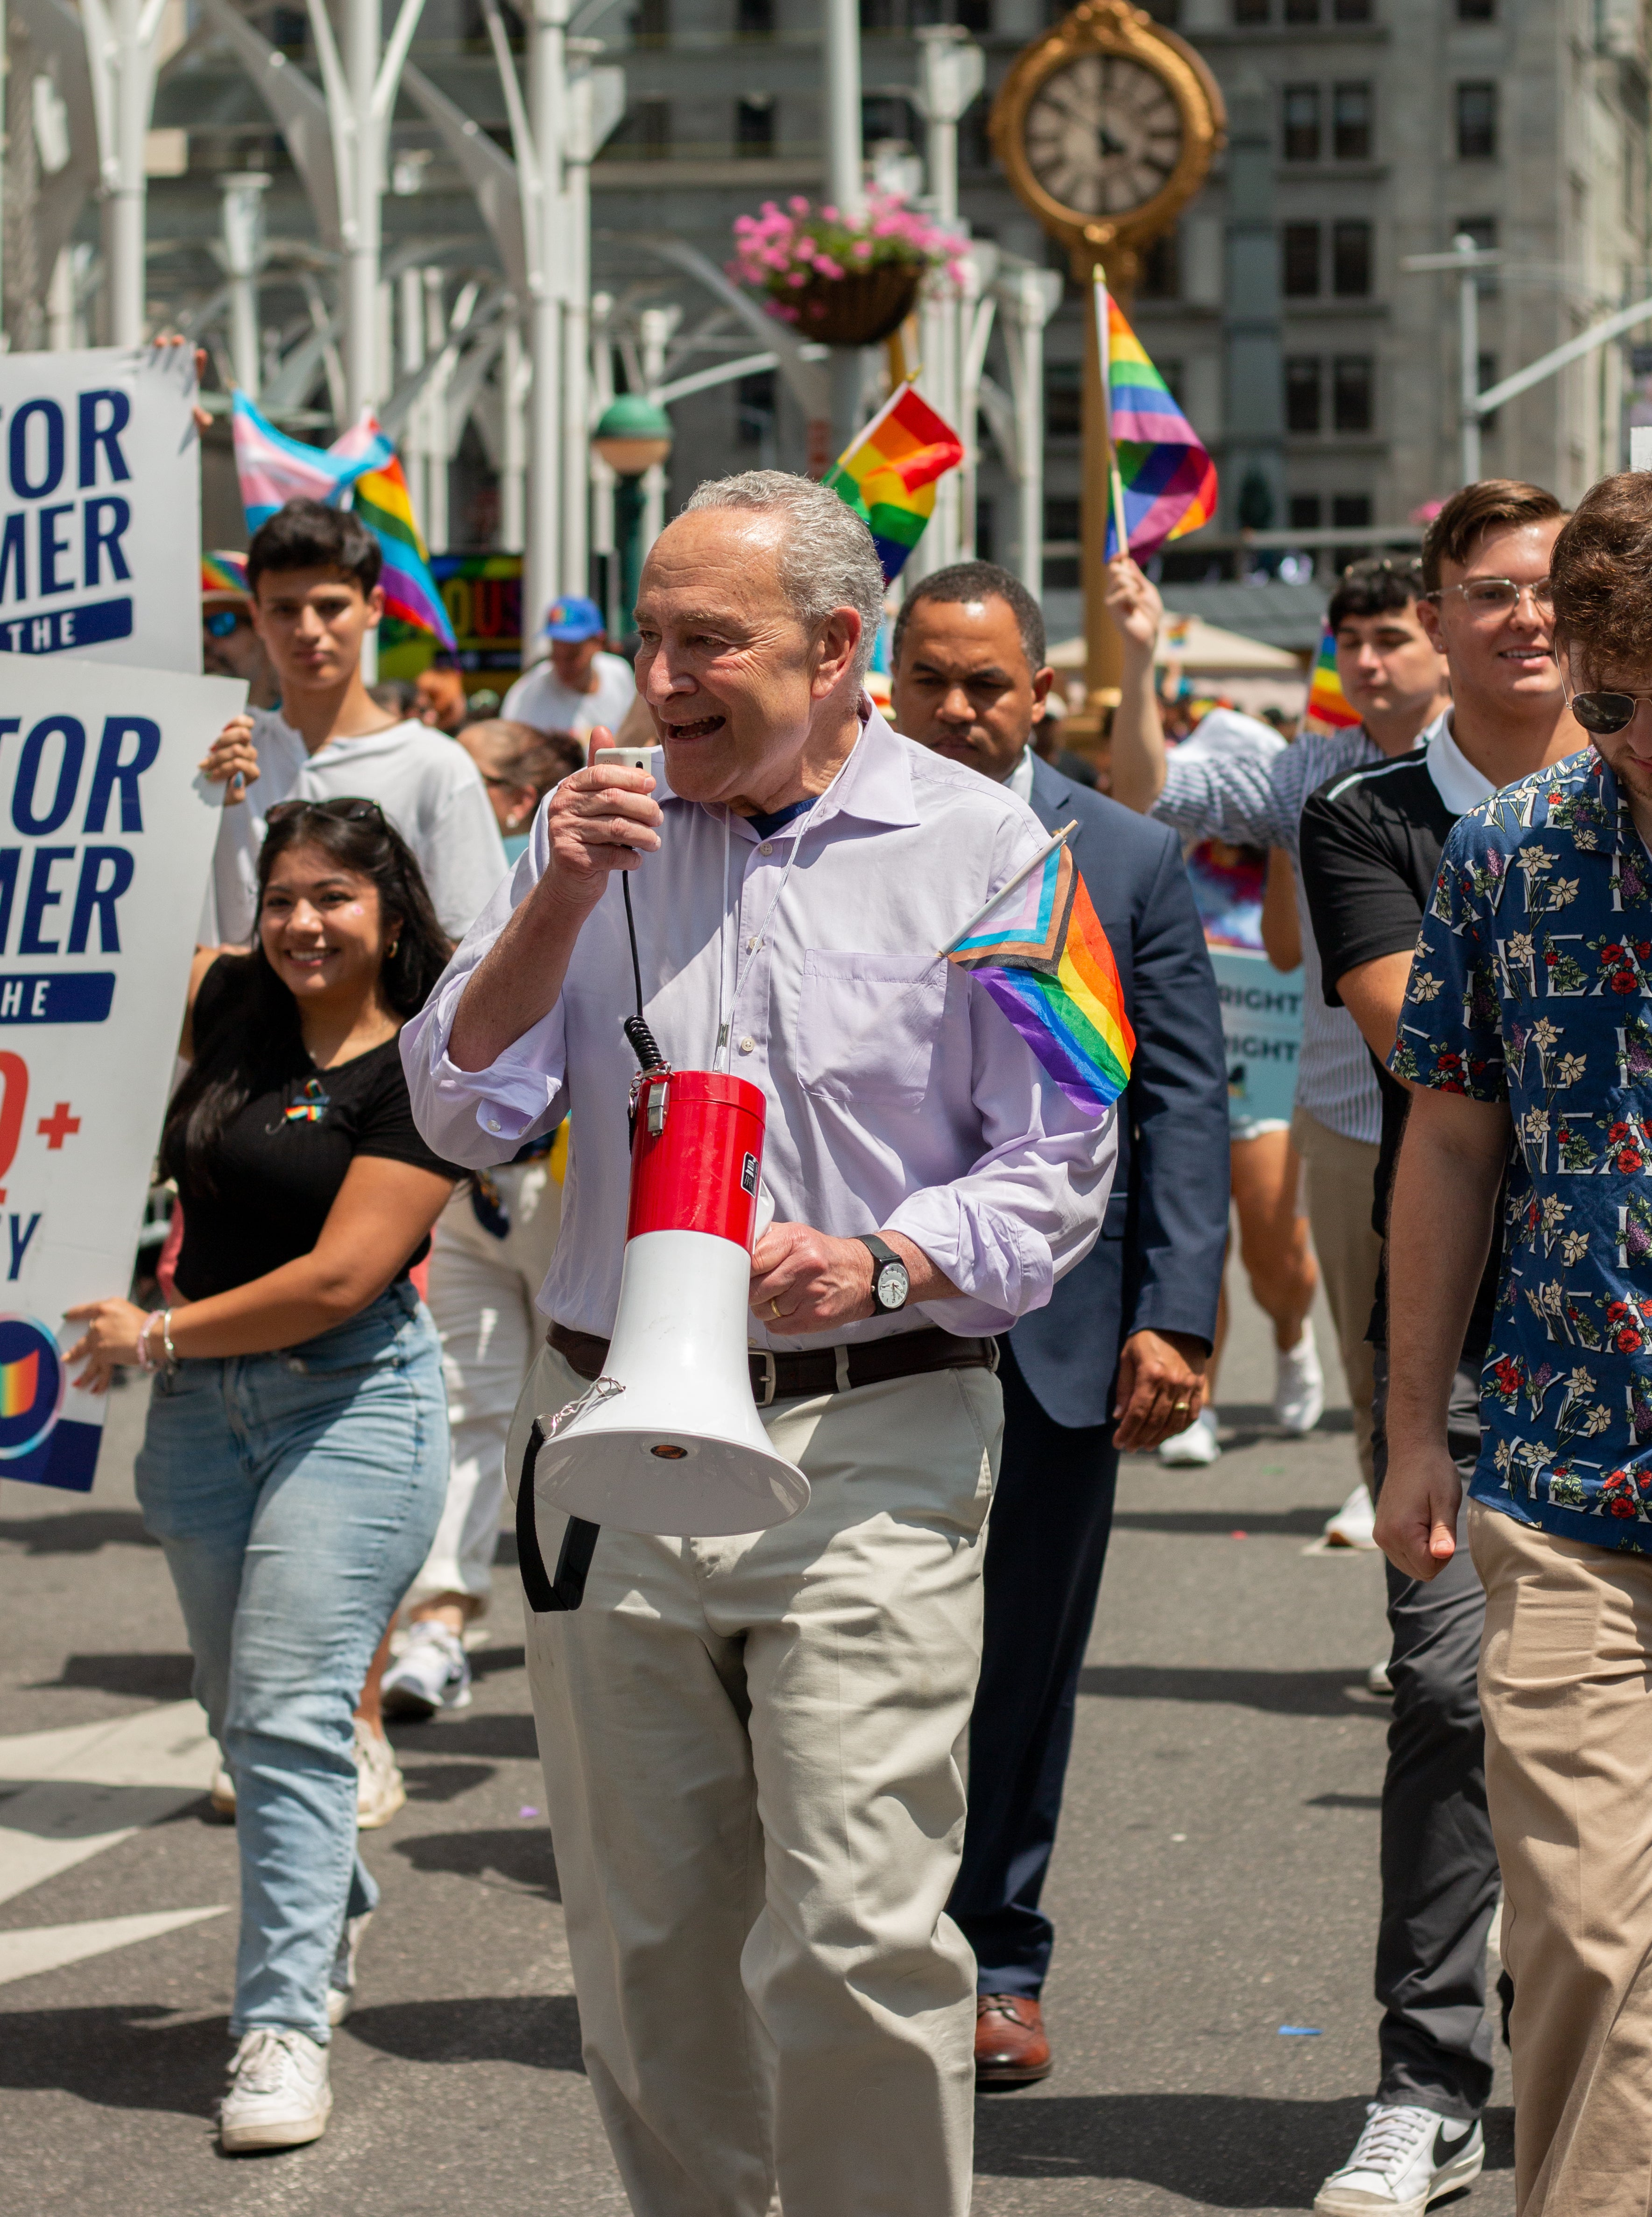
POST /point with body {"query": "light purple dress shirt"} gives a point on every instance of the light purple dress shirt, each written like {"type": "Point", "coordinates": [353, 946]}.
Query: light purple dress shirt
{"type": "Point", "coordinates": [897, 1095]}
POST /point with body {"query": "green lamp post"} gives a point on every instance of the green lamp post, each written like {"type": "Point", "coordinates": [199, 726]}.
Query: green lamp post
{"type": "Point", "coordinates": [631, 436]}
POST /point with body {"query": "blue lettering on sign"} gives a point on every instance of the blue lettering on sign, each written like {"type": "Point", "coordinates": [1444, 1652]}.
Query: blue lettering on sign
{"type": "Point", "coordinates": [63, 628]}
{"type": "Point", "coordinates": [67, 996]}
{"type": "Point", "coordinates": [45, 448]}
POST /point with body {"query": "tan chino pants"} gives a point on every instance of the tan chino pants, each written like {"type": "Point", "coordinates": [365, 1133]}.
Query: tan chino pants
{"type": "Point", "coordinates": [1339, 1182]}
{"type": "Point", "coordinates": [1564, 1674]}
{"type": "Point", "coordinates": [754, 1753]}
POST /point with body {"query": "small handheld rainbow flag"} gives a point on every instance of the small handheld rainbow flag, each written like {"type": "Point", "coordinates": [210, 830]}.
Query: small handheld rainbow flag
{"type": "Point", "coordinates": [1164, 483]}
{"type": "Point", "coordinates": [1328, 704]}
{"type": "Point", "coordinates": [888, 474]}
{"type": "Point", "coordinates": [1038, 949]}
{"type": "Point", "coordinates": [381, 499]}
{"type": "Point", "coordinates": [222, 572]}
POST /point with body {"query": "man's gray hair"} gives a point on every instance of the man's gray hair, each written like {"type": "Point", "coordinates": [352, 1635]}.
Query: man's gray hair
{"type": "Point", "coordinates": [827, 558]}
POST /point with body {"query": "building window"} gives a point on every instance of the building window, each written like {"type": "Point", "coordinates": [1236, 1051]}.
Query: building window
{"type": "Point", "coordinates": [885, 116]}
{"type": "Point", "coordinates": [645, 134]}
{"type": "Point", "coordinates": [1299, 275]}
{"type": "Point", "coordinates": [1482, 230]}
{"type": "Point", "coordinates": [1476, 121]}
{"type": "Point", "coordinates": [1302, 123]}
{"type": "Point", "coordinates": [1350, 511]}
{"type": "Point", "coordinates": [754, 19]}
{"type": "Point", "coordinates": [1064, 399]}
{"type": "Point", "coordinates": [985, 545]}
{"type": "Point", "coordinates": [1160, 277]}
{"type": "Point", "coordinates": [1250, 11]}
{"type": "Point", "coordinates": [1305, 511]}
{"type": "Point", "coordinates": [1352, 11]}
{"type": "Point", "coordinates": [1302, 382]}
{"type": "Point", "coordinates": [1485, 378]}
{"type": "Point", "coordinates": [1351, 122]}
{"type": "Point", "coordinates": [1351, 260]}
{"type": "Point", "coordinates": [651, 23]}
{"type": "Point", "coordinates": [1477, 11]}
{"type": "Point", "coordinates": [755, 406]}
{"type": "Point", "coordinates": [1062, 531]}
{"type": "Point", "coordinates": [1171, 371]}
{"type": "Point", "coordinates": [1351, 393]}
{"type": "Point", "coordinates": [1302, 11]}
{"type": "Point", "coordinates": [754, 125]}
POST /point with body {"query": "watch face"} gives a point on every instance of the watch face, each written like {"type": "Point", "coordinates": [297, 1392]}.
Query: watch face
{"type": "Point", "coordinates": [1103, 135]}
{"type": "Point", "coordinates": [893, 1286]}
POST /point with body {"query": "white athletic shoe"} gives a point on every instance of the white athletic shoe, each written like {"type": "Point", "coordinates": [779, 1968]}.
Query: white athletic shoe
{"type": "Point", "coordinates": [432, 1672]}
{"type": "Point", "coordinates": [1196, 1448]}
{"type": "Point", "coordinates": [340, 1982]}
{"type": "Point", "coordinates": [222, 1794]}
{"type": "Point", "coordinates": [1377, 1681]}
{"type": "Point", "coordinates": [1354, 1524]}
{"type": "Point", "coordinates": [1298, 1384]}
{"type": "Point", "coordinates": [1405, 2159]}
{"type": "Point", "coordinates": [380, 1789]}
{"type": "Point", "coordinates": [278, 2095]}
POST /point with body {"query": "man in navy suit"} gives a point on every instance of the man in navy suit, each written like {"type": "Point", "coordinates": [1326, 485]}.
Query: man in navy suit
{"type": "Point", "coordinates": [1117, 1359]}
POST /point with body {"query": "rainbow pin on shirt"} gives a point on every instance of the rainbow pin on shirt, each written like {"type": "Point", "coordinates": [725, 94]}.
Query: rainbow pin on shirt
{"type": "Point", "coordinates": [310, 1106]}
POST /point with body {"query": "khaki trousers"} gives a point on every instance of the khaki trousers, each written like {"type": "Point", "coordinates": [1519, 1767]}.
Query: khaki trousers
{"type": "Point", "coordinates": [1338, 1181]}
{"type": "Point", "coordinates": [1563, 1679]}
{"type": "Point", "coordinates": [754, 1755]}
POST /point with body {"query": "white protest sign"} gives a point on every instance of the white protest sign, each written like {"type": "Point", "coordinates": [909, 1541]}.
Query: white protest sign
{"type": "Point", "coordinates": [100, 507]}
{"type": "Point", "coordinates": [106, 834]}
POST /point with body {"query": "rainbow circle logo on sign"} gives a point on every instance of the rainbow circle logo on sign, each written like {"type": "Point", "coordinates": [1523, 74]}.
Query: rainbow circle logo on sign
{"type": "Point", "coordinates": [32, 1381]}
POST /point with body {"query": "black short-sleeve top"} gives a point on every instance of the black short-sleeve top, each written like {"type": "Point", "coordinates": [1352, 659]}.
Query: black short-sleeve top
{"type": "Point", "coordinates": [279, 1163]}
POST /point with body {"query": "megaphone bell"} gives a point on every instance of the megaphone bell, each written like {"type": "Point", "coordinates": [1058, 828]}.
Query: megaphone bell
{"type": "Point", "coordinates": [669, 1439]}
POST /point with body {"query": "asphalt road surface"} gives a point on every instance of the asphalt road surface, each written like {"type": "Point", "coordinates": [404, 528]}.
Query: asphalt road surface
{"type": "Point", "coordinates": [1215, 1882]}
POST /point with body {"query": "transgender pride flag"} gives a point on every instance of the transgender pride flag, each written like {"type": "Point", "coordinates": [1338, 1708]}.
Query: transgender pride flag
{"type": "Point", "coordinates": [273, 469]}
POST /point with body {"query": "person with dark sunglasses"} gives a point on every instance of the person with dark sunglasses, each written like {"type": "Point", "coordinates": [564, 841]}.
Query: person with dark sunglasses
{"type": "Point", "coordinates": [229, 647]}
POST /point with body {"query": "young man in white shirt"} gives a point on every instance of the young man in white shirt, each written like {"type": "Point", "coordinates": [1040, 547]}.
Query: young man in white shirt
{"type": "Point", "coordinates": [580, 686]}
{"type": "Point", "coordinates": [313, 575]}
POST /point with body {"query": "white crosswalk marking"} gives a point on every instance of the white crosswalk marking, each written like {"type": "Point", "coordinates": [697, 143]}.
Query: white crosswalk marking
{"type": "Point", "coordinates": [67, 1796]}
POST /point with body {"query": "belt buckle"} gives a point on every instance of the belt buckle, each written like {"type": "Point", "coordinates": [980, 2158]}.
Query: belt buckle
{"type": "Point", "coordinates": [770, 1375]}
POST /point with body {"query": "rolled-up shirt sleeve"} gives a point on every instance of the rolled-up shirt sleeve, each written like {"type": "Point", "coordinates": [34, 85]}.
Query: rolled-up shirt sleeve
{"type": "Point", "coordinates": [1031, 1205]}
{"type": "Point", "coordinates": [1232, 797]}
{"type": "Point", "coordinates": [485, 1115]}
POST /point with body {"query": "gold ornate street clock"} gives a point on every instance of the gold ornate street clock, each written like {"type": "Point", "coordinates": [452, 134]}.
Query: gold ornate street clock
{"type": "Point", "coordinates": [1105, 128]}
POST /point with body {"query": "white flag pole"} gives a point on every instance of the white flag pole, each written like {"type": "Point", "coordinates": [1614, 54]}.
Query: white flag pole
{"type": "Point", "coordinates": [1120, 529]}
{"type": "Point", "coordinates": [1010, 884]}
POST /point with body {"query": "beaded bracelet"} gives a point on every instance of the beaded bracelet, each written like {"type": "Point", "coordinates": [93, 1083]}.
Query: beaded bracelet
{"type": "Point", "coordinates": [146, 1360]}
{"type": "Point", "coordinates": [166, 1338]}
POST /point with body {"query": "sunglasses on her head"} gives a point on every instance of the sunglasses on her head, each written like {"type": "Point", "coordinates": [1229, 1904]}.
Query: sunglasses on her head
{"type": "Point", "coordinates": [1604, 712]}
{"type": "Point", "coordinates": [340, 812]}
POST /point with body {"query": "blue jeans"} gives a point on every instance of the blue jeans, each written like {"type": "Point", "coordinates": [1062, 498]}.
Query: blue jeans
{"type": "Point", "coordinates": [296, 1494]}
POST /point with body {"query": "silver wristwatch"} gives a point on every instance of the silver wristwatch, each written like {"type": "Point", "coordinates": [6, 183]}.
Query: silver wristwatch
{"type": "Point", "coordinates": [891, 1286]}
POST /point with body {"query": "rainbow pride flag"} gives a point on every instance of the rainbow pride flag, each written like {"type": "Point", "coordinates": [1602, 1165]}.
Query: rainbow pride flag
{"type": "Point", "coordinates": [1328, 704]}
{"type": "Point", "coordinates": [1169, 481]}
{"type": "Point", "coordinates": [1038, 949]}
{"type": "Point", "coordinates": [222, 572]}
{"type": "Point", "coordinates": [887, 475]}
{"type": "Point", "coordinates": [20, 1381]}
{"type": "Point", "coordinates": [381, 499]}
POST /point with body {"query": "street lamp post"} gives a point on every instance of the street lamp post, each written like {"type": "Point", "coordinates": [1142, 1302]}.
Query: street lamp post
{"type": "Point", "coordinates": [845, 185]}
{"type": "Point", "coordinates": [632, 437]}
{"type": "Point", "coordinates": [241, 217]}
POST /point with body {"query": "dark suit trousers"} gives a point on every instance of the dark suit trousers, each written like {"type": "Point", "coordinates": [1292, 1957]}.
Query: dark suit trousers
{"type": "Point", "coordinates": [1440, 1867]}
{"type": "Point", "coordinates": [1046, 1543]}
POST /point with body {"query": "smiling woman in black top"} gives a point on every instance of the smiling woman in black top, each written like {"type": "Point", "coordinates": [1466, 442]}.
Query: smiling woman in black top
{"type": "Point", "coordinates": [295, 1455]}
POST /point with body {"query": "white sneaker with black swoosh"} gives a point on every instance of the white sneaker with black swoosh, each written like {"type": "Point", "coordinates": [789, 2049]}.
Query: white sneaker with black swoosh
{"type": "Point", "coordinates": [1404, 2159]}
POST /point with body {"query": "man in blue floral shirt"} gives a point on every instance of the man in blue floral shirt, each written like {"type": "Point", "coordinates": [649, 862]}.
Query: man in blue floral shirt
{"type": "Point", "coordinates": [1526, 1037]}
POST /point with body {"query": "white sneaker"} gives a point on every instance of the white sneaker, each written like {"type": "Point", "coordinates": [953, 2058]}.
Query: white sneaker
{"type": "Point", "coordinates": [1405, 2159]}
{"type": "Point", "coordinates": [1377, 1681]}
{"type": "Point", "coordinates": [1196, 1448]}
{"type": "Point", "coordinates": [1298, 1384]}
{"type": "Point", "coordinates": [1354, 1524]}
{"type": "Point", "coordinates": [278, 2095]}
{"type": "Point", "coordinates": [380, 1789]}
{"type": "Point", "coordinates": [432, 1672]}
{"type": "Point", "coordinates": [340, 1982]}
{"type": "Point", "coordinates": [222, 1795]}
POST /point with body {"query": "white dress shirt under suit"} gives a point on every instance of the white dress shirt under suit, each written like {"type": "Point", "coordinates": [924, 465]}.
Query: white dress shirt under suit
{"type": "Point", "coordinates": [754, 1746]}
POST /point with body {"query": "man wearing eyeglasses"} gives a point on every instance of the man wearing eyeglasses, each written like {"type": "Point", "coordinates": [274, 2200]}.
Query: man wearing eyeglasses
{"type": "Point", "coordinates": [1370, 848]}
{"type": "Point", "coordinates": [1525, 1037]}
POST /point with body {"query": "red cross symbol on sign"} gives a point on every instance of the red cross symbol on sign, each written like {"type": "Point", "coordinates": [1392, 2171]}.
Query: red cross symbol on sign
{"type": "Point", "coordinates": [57, 1126]}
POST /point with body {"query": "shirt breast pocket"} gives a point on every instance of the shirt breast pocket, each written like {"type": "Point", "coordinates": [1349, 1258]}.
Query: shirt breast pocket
{"type": "Point", "coordinates": [867, 1025]}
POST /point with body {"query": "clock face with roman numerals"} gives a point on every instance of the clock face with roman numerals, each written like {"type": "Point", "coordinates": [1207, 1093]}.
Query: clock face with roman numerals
{"type": "Point", "coordinates": [1103, 134]}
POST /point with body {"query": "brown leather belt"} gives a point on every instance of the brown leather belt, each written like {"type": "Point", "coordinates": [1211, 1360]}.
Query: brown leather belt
{"type": "Point", "coordinates": [814, 1370]}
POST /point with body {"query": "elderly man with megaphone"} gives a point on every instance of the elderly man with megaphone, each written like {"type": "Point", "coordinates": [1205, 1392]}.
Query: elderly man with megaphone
{"type": "Point", "coordinates": [756, 1634]}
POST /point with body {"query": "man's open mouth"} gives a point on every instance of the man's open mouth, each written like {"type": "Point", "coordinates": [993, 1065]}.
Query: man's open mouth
{"type": "Point", "coordinates": [702, 729]}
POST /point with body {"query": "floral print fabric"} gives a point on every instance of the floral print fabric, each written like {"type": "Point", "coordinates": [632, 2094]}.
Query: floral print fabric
{"type": "Point", "coordinates": [1533, 985]}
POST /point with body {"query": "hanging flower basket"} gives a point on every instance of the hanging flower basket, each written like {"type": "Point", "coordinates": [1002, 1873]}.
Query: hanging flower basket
{"type": "Point", "coordinates": [845, 284]}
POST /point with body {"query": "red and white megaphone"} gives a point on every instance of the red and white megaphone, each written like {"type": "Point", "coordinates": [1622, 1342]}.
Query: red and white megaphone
{"type": "Point", "coordinates": [668, 1438]}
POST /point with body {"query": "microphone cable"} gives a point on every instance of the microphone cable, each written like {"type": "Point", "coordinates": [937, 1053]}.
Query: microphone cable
{"type": "Point", "coordinates": [643, 1045]}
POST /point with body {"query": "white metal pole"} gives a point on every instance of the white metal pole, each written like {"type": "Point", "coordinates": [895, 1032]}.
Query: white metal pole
{"type": "Point", "coordinates": [125, 230]}
{"type": "Point", "coordinates": [242, 216]}
{"type": "Point", "coordinates": [433, 516]}
{"type": "Point", "coordinates": [655, 327]}
{"type": "Point", "coordinates": [547, 100]}
{"type": "Point", "coordinates": [577, 328]}
{"type": "Point", "coordinates": [845, 185]}
{"type": "Point", "coordinates": [1468, 323]}
{"type": "Point", "coordinates": [362, 231]}
{"type": "Point", "coordinates": [601, 475]}
{"type": "Point", "coordinates": [512, 472]}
